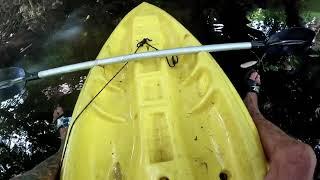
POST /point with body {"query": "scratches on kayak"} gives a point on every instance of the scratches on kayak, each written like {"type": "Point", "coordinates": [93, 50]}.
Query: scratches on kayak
{"type": "Point", "coordinates": [202, 164]}
{"type": "Point", "coordinates": [109, 116]}
{"type": "Point", "coordinates": [204, 82]}
{"type": "Point", "coordinates": [117, 174]}
{"type": "Point", "coordinates": [186, 36]}
{"type": "Point", "coordinates": [210, 149]}
{"type": "Point", "coordinates": [116, 88]}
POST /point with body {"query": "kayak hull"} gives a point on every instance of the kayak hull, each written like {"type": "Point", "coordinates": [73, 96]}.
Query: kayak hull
{"type": "Point", "coordinates": [147, 120]}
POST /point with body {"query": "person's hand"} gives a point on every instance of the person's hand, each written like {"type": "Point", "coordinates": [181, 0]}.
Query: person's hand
{"type": "Point", "coordinates": [56, 114]}
{"type": "Point", "coordinates": [63, 133]}
{"type": "Point", "coordinates": [255, 77]}
{"type": "Point", "coordinates": [58, 111]}
{"type": "Point", "coordinates": [253, 82]}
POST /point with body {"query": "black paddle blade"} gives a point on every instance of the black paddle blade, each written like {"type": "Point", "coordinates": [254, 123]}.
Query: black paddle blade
{"type": "Point", "coordinates": [11, 82]}
{"type": "Point", "coordinates": [290, 41]}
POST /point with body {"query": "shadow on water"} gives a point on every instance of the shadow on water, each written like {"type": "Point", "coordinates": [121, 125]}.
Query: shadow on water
{"type": "Point", "coordinates": [72, 31]}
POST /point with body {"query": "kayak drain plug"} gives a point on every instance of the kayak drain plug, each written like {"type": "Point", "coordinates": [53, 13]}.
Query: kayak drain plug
{"type": "Point", "coordinates": [164, 178]}
{"type": "Point", "coordinates": [223, 176]}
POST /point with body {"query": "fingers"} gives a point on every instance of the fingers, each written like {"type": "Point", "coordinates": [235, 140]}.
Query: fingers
{"type": "Point", "coordinates": [63, 132]}
{"type": "Point", "coordinates": [57, 112]}
{"type": "Point", "coordinates": [258, 79]}
{"type": "Point", "coordinates": [255, 77]}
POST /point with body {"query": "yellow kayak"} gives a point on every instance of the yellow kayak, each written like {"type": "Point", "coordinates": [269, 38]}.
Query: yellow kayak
{"type": "Point", "coordinates": [160, 119]}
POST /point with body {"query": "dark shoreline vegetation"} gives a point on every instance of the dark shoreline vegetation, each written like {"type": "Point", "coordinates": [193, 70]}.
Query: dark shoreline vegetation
{"type": "Point", "coordinates": [40, 34]}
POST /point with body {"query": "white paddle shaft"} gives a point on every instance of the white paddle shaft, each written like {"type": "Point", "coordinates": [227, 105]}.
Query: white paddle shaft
{"type": "Point", "coordinates": [145, 55]}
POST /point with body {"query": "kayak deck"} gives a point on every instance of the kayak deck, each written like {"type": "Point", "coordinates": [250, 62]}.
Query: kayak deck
{"type": "Point", "coordinates": [153, 121]}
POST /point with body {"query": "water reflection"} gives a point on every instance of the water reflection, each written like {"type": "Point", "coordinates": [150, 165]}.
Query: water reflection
{"type": "Point", "coordinates": [12, 103]}
{"type": "Point", "coordinates": [64, 88]}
